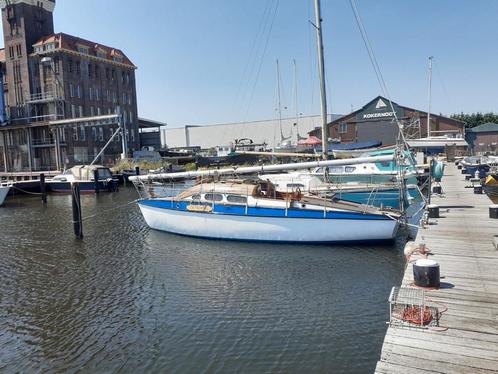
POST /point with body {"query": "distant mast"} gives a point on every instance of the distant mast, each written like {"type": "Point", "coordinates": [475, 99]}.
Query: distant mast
{"type": "Point", "coordinates": [430, 92]}
{"type": "Point", "coordinates": [321, 72]}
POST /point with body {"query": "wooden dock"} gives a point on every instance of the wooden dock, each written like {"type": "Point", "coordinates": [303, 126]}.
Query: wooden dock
{"type": "Point", "coordinates": [461, 241]}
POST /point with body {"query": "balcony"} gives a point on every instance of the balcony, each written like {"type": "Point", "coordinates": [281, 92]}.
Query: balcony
{"type": "Point", "coordinates": [41, 98]}
{"type": "Point", "coordinates": [46, 142]}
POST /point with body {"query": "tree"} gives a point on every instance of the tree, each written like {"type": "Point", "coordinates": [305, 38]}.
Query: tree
{"type": "Point", "coordinates": [476, 119]}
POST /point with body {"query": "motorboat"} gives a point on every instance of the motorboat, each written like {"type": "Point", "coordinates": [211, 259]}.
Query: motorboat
{"type": "Point", "coordinates": [473, 164]}
{"type": "Point", "coordinates": [253, 210]}
{"type": "Point", "coordinates": [85, 176]}
{"type": "Point", "coordinates": [490, 185]}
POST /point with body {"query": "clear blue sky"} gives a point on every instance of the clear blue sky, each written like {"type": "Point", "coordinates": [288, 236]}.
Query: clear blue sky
{"type": "Point", "coordinates": [195, 64]}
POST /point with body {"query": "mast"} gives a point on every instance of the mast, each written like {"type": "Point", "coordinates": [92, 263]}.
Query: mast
{"type": "Point", "coordinates": [430, 91]}
{"type": "Point", "coordinates": [295, 102]}
{"type": "Point", "coordinates": [279, 104]}
{"type": "Point", "coordinates": [321, 73]}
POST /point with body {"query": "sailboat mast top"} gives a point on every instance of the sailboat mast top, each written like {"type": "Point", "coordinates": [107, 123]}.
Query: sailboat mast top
{"type": "Point", "coordinates": [321, 72]}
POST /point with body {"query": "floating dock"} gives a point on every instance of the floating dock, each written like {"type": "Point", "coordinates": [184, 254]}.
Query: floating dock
{"type": "Point", "coordinates": [462, 242]}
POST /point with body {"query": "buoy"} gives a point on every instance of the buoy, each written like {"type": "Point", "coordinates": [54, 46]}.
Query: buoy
{"type": "Point", "coordinates": [493, 211]}
{"type": "Point", "coordinates": [433, 211]}
{"type": "Point", "coordinates": [426, 273]}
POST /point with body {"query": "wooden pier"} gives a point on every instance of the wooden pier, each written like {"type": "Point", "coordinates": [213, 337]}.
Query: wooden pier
{"type": "Point", "coordinates": [462, 242]}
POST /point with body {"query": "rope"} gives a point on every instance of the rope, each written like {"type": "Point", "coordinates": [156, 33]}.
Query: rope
{"type": "Point", "coordinates": [27, 192]}
{"type": "Point", "coordinates": [109, 210]}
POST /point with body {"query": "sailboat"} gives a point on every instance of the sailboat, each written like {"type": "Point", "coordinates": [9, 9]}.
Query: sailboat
{"type": "Point", "coordinates": [252, 209]}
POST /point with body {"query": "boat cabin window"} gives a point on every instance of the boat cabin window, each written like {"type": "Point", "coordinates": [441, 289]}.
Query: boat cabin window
{"type": "Point", "coordinates": [196, 197]}
{"type": "Point", "coordinates": [213, 196]}
{"type": "Point", "coordinates": [295, 185]}
{"type": "Point", "coordinates": [237, 199]}
{"type": "Point", "coordinates": [349, 169]}
{"type": "Point", "coordinates": [104, 173]}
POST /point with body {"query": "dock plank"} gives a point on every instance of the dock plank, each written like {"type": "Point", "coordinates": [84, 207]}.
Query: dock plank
{"type": "Point", "coordinates": [461, 241]}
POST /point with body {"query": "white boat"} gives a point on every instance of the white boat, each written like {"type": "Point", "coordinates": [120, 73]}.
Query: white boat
{"type": "Point", "coordinates": [255, 211]}
{"type": "Point", "coordinates": [85, 176]}
{"type": "Point", "coordinates": [4, 191]}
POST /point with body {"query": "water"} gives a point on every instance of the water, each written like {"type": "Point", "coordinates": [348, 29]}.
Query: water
{"type": "Point", "coordinates": [129, 299]}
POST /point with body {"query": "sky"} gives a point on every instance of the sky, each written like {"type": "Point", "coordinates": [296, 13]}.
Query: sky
{"type": "Point", "coordinates": [206, 62]}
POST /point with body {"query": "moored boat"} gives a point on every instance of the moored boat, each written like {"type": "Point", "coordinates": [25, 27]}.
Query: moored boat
{"type": "Point", "coordinates": [85, 176]}
{"type": "Point", "coordinates": [491, 185]}
{"type": "Point", "coordinates": [253, 210]}
{"type": "Point", "coordinates": [4, 191]}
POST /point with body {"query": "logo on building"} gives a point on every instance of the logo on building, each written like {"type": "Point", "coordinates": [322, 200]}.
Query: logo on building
{"type": "Point", "coordinates": [380, 104]}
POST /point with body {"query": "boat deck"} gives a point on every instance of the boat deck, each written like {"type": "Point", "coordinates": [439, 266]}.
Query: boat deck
{"type": "Point", "coordinates": [461, 241]}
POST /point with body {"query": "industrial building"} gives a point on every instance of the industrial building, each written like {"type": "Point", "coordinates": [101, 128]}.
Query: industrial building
{"type": "Point", "coordinates": [271, 132]}
{"type": "Point", "coordinates": [375, 121]}
{"type": "Point", "coordinates": [52, 77]}
{"type": "Point", "coordinates": [483, 138]}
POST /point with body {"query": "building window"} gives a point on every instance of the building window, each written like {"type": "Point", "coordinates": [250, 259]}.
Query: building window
{"type": "Point", "coordinates": [78, 67]}
{"type": "Point", "coordinates": [97, 94]}
{"type": "Point", "coordinates": [70, 65]}
{"type": "Point", "coordinates": [92, 110]}
{"type": "Point", "coordinates": [101, 134]}
{"type": "Point", "coordinates": [82, 49]}
{"type": "Point", "coordinates": [90, 71]}
{"type": "Point", "coordinates": [101, 54]}
{"type": "Point", "coordinates": [127, 78]}
{"type": "Point", "coordinates": [90, 93]}
{"type": "Point", "coordinates": [71, 90]}
{"type": "Point", "coordinates": [11, 52]}
{"type": "Point", "coordinates": [132, 135]}
{"type": "Point", "coordinates": [82, 133]}
{"type": "Point", "coordinates": [73, 111]}
{"type": "Point", "coordinates": [114, 96]}
{"type": "Point", "coordinates": [19, 50]}
{"type": "Point", "coordinates": [99, 111]}
{"type": "Point", "coordinates": [75, 134]}
{"type": "Point", "coordinates": [107, 73]}
{"type": "Point", "coordinates": [108, 95]}
{"type": "Point", "coordinates": [131, 116]}
{"type": "Point", "coordinates": [117, 59]}
{"type": "Point", "coordinates": [78, 90]}
{"type": "Point", "coordinates": [124, 98]}
{"type": "Point", "coordinates": [343, 128]}
{"type": "Point", "coordinates": [94, 133]}
{"type": "Point", "coordinates": [81, 110]}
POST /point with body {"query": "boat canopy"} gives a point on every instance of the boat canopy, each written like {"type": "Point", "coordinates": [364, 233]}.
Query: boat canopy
{"type": "Point", "coordinates": [86, 172]}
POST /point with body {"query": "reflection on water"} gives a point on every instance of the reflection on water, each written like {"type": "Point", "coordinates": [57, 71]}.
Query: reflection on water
{"type": "Point", "coordinates": [127, 298]}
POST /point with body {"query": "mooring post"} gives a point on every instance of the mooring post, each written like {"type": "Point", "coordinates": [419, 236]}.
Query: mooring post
{"type": "Point", "coordinates": [96, 180]}
{"type": "Point", "coordinates": [76, 202]}
{"type": "Point", "coordinates": [43, 188]}
{"type": "Point", "coordinates": [137, 170]}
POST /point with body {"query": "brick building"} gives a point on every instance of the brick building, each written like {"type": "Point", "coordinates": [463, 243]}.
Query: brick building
{"type": "Point", "coordinates": [375, 122]}
{"type": "Point", "coordinates": [49, 77]}
{"type": "Point", "coordinates": [483, 138]}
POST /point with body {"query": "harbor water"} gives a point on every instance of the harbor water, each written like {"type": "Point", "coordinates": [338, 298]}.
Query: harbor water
{"type": "Point", "coordinates": [128, 299]}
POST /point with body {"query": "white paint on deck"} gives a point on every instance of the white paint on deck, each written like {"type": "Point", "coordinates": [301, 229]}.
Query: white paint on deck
{"type": "Point", "coordinates": [462, 242]}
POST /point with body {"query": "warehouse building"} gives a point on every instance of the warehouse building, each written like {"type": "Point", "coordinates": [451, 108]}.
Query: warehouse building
{"type": "Point", "coordinates": [483, 138]}
{"type": "Point", "coordinates": [271, 132]}
{"type": "Point", "coordinates": [375, 121]}
{"type": "Point", "coordinates": [51, 77]}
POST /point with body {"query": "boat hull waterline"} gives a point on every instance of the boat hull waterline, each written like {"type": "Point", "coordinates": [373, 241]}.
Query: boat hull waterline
{"type": "Point", "coordinates": [268, 228]}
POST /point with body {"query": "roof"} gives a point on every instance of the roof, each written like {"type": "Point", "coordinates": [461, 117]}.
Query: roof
{"type": "Point", "coordinates": [71, 43]}
{"type": "Point", "coordinates": [148, 123]}
{"type": "Point", "coordinates": [458, 122]}
{"type": "Point", "coordinates": [486, 127]}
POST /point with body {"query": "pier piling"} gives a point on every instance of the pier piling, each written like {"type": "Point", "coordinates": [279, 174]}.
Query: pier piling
{"type": "Point", "coordinates": [43, 188]}
{"type": "Point", "coordinates": [96, 180]}
{"type": "Point", "coordinates": [76, 203]}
